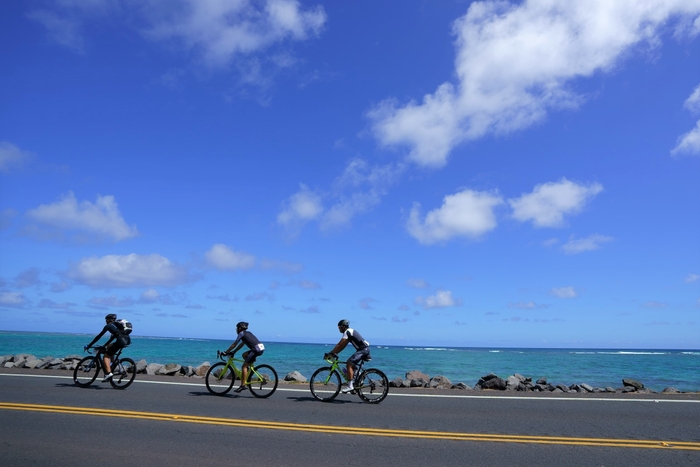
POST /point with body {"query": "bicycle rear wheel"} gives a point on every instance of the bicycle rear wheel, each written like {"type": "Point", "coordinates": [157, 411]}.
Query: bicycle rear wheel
{"type": "Point", "coordinates": [263, 381]}
{"type": "Point", "coordinates": [220, 378]}
{"type": "Point", "coordinates": [373, 386]}
{"type": "Point", "coordinates": [124, 373]}
{"type": "Point", "coordinates": [85, 373]}
{"type": "Point", "coordinates": [325, 384]}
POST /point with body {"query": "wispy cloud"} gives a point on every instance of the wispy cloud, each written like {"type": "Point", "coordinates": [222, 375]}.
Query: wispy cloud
{"type": "Point", "coordinates": [689, 143]}
{"type": "Point", "coordinates": [128, 271]}
{"type": "Point", "coordinates": [564, 292]}
{"type": "Point", "coordinates": [441, 299]}
{"type": "Point", "coordinates": [223, 258]}
{"type": "Point", "coordinates": [13, 158]}
{"type": "Point", "coordinates": [580, 245]}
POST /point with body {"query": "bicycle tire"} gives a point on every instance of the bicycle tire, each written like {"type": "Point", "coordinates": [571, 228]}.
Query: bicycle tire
{"type": "Point", "coordinates": [265, 386]}
{"type": "Point", "coordinates": [373, 386]}
{"type": "Point", "coordinates": [217, 383]}
{"type": "Point", "coordinates": [124, 373]}
{"type": "Point", "coordinates": [325, 384]}
{"type": "Point", "coordinates": [85, 372]}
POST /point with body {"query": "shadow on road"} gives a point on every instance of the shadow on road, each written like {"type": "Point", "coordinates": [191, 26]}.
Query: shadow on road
{"type": "Point", "coordinates": [311, 399]}
{"type": "Point", "coordinates": [66, 385]}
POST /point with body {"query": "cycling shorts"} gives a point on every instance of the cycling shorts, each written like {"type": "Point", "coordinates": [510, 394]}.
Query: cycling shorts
{"type": "Point", "coordinates": [252, 355]}
{"type": "Point", "coordinates": [357, 356]}
{"type": "Point", "coordinates": [113, 348]}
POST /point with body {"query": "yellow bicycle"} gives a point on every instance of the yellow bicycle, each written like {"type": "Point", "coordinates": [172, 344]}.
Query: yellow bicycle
{"type": "Point", "coordinates": [262, 379]}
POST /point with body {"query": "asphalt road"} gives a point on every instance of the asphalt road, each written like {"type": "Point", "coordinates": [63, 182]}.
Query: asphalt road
{"type": "Point", "coordinates": [44, 419]}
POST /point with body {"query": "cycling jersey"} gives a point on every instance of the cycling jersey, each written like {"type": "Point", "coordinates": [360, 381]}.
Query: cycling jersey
{"type": "Point", "coordinates": [122, 340]}
{"type": "Point", "coordinates": [355, 339]}
{"type": "Point", "coordinates": [249, 339]}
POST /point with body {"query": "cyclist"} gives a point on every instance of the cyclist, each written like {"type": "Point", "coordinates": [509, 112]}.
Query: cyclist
{"type": "Point", "coordinates": [247, 338]}
{"type": "Point", "coordinates": [120, 339]}
{"type": "Point", "coordinates": [361, 350]}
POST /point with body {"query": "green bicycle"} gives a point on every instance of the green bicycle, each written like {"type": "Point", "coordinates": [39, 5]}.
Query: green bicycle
{"type": "Point", "coordinates": [371, 385]}
{"type": "Point", "coordinates": [262, 379]}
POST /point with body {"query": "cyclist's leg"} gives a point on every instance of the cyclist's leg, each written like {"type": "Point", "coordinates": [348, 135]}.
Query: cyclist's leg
{"type": "Point", "coordinates": [248, 357]}
{"type": "Point", "coordinates": [110, 351]}
{"type": "Point", "coordinates": [352, 363]}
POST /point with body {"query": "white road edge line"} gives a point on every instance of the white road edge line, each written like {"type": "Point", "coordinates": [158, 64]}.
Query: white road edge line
{"type": "Point", "coordinates": [438, 396]}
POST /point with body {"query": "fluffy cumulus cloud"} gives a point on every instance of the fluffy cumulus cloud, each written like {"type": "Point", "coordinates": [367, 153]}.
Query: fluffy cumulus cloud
{"type": "Point", "coordinates": [467, 214]}
{"type": "Point", "coordinates": [82, 220]}
{"type": "Point", "coordinates": [548, 203]}
{"type": "Point", "coordinates": [689, 143]}
{"type": "Point", "coordinates": [441, 299]}
{"type": "Point", "coordinates": [223, 258]}
{"type": "Point", "coordinates": [498, 90]}
{"type": "Point", "coordinates": [12, 157]}
{"type": "Point", "coordinates": [580, 245]}
{"type": "Point", "coordinates": [564, 292]}
{"type": "Point", "coordinates": [128, 271]}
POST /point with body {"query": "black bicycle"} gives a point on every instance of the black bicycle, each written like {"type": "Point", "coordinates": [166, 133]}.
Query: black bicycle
{"type": "Point", "coordinates": [123, 369]}
{"type": "Point", "coordinates": [371, 384]}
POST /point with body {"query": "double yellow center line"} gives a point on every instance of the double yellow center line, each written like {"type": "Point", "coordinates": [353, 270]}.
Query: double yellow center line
{"type": "Point", "coordinates": [440, 435]}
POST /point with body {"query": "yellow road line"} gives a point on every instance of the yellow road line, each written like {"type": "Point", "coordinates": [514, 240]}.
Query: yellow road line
{"type": "Point", "coordinates": [610, 442]}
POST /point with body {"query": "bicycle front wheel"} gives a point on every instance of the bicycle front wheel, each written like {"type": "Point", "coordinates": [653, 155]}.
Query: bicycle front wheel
{"type": "Point", "coordinates": [325, 384]}
{"type": "Point", "coordinates": [220, 378]}
{"type": "Point", "coordinates": [124, 373]}
{"type": "Point", "coordinates": [373, 386]}
{"type": "Point", "coordinates": [262, 382]}
{"type": "Point", "coordinates": [86, 371]}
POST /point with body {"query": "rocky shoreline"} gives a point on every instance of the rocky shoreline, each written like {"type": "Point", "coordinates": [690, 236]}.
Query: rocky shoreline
{"type": "Point", "coordinates": [412, 379]}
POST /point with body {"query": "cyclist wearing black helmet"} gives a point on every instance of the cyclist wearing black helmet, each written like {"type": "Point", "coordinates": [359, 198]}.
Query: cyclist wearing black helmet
{"type": "Point", "coordinates": [247, 338]}
{"type": "Point", "coordinates": [361, 349]}
{"type": "Point", "coordinates": [120, 339]}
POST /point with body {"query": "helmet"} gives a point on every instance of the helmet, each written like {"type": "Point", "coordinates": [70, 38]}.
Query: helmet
{"type": "Point", "coordinates": [344, 322]}
{"type": "Point", "coordinates": [110, 317]}
{"type": "Point", "coordinates": [242, 326]}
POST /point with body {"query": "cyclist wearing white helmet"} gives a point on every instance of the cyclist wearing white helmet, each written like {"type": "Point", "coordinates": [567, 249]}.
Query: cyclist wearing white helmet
{"type": "Point", "coordinates": [361, 349]}
{"type": "Point", "coordinates": [120, 339]}
{"type": "Point", "coordinates": [247, 338]}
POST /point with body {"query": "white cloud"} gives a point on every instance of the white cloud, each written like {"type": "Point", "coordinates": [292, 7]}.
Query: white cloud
{"type": "Point", "coordinates": [549, 202]}
{"type": "Point", "coordinates": [499, 89]}
{"type": "Point", "coordinates": [149, 296]}
{"type": "Point", "coordinates": [688, 143]}
{"type": "Point", "coordinates": [465, 214]}
{"type": "Point", "coordinates": [302, 207]}
{"type": "Point", "coordinates": [693, 102]}
{"type": "Point", "coordinates": [564, 292]}
{"type": "Point", "coordinates": [223, 258]}
{"type": "Point", "coordinates": [580, 245]}
{"type": "Point", "coordinates": [12, 157]}
{"type": "Point", "coordinates": [441, 299]}
{"type": "Point", "coordinates": [366, 186]}
{"type": "Point", "coordinates": [12, 299]}
{"type": "Point", "coordinates": [692, 278]}
{"type": "Point", "coordinates": [99, 220]}
{"type": "Point", "coordinates": [128, 271]}
{"type": "Point", "coordinates": [222, 30]}
{"type": "Point", "coordinates": [28, 278]}
{"type": "Point", "coordinates": [283, 266]}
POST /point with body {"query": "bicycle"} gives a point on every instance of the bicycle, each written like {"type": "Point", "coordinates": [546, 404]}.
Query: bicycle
{"type": "Point", "coordinates": [123, 369]}
{"type": "Point", "coordinates": [262, 379]}
{"type": "Point", "coordinates": [371, 385]}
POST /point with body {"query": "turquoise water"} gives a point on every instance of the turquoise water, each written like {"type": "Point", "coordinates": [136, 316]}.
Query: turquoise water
{"type": "Point", "coordinates": [657, 369]}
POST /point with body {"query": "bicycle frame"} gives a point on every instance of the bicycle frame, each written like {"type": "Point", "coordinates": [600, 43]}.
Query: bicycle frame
{"type": "Point", "coordinates": [230, 363]}
{"type": "Point", "coordinates": [100, 353]}
{"type": "Point", "coordinates": [335, 366]}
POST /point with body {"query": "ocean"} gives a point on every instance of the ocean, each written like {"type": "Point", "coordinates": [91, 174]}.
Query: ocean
{"type": "Point", "coordinates": [656, 368]}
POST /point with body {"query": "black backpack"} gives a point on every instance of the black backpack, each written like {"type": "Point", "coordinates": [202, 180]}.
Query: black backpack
{"type": "Point", "coordinates": [124, 326]}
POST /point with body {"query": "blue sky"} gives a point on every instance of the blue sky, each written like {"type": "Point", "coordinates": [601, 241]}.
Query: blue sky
{"type": "Point", "coordinates": [493, 174]}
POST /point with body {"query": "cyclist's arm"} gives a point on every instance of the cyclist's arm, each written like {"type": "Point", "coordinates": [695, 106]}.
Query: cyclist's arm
{"type": "Point", "coordinates": [340, 346]}
{"type": "Point", "coordinates": [98, 337]}
{"type": "Point", "coordinates": [234, 345]}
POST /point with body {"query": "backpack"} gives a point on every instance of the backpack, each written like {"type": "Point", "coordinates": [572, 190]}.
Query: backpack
{"type": "Point", "coordinates": [124, 326]}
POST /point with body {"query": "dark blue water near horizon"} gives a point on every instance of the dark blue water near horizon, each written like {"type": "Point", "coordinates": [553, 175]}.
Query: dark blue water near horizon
{"type": "Point", "coordinates": [656, 368]}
